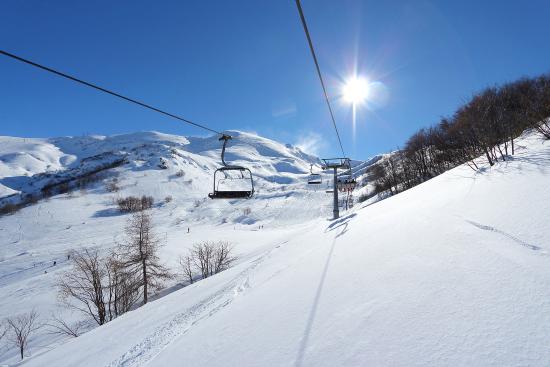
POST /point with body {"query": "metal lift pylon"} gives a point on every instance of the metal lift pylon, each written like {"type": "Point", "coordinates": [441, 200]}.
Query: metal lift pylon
{"type": "Point", "coordinates": [335, 164]}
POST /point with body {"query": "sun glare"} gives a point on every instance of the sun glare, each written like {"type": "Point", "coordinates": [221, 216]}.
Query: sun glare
{"type": "Point", "coordinates": [355, 90]}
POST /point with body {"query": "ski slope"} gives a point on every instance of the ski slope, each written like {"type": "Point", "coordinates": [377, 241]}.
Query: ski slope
{"type": "Point", "coordinates": [39, 234]}
{"type": "Point", "coordinates": [454, 272]}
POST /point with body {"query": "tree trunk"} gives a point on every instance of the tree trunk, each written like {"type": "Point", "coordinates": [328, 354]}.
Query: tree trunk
{"type": "Point", "coordinates": [501, 154]}
{"type": "Point", "coordinates": [144, 269]}
{"type": "Point", "coordinates": [110, 304]}
{"type": "Point", "coordinates": [488, 156]}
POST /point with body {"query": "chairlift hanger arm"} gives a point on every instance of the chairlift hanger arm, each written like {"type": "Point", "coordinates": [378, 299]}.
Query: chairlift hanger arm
{"type": "Point", "coordinates": [330, 163]}
{"type": "Point", "coordinates": [225, 138]}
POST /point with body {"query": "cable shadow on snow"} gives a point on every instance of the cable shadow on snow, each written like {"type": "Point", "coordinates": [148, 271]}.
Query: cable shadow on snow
{"type": "Point", "coordinates": [311, 318]}
{"type": "Point", "coordinates": [343, 221]}
{"type": "Point", "coordinates": [343, 231]}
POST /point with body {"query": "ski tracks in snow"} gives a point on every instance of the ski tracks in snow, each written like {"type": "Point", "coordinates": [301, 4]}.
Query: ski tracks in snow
{"type": "Point", "coordinates": [164, 335]}
{"type": "Point", "coordinates": [507, 235]}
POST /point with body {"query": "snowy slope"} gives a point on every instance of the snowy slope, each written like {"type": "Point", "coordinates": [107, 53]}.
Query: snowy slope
{"type": "Point", "coordinates": [39, 234]}
{"type": "Point", "coordinates": [280, 171]}
{"type": "Point", "coordinates": [24, 157]}
{"type": "Point", "coordinates": [454, 272]}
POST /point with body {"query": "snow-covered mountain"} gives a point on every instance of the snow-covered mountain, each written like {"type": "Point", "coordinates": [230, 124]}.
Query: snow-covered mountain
{"type": "Point", "coordinates": [24, 162]}
{"type": "Point", "coordinates": [453, 272]}
{"type": "Point", "coordinates": [160, 165]}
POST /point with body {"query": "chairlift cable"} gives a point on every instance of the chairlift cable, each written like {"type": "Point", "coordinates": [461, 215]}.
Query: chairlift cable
{"type": "Point", "coordinates": [101, 89]}
{"type": "Point", "coordinates": [303, 19]}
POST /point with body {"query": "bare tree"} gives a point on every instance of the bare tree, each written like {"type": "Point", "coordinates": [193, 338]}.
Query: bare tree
{"type": "Point", "coordinates": [209, 258]}
{"type": "Point", "coordinates": [186, 263]}
{"type": "Point", "coordinates": [222, 258]}
{"type": "Point", "coordinates": [139, 253]}
{"type": "Point", "coordinates": [112, 185]}
{"type": "Point", "coordinates": [123, 287]}
{"type": "Point", "coordinates": [98, 287]}
{"type": "Point", "coordinates": [22, 327]}
{"type": "Point", "coordinates": [3, 329]}
{"type": "Point", "coordinates": [202, 255]}
{"type": "Point", "coordinates": [59, 326]}
{"type": "Point", "coordinates": [84, 286]}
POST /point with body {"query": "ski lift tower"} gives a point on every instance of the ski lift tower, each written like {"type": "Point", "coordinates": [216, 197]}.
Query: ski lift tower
{"type": "Point", "coordinates": [334, 164]}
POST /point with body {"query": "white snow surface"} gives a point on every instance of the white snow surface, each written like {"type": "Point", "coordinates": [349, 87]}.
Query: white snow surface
{"type": "Point", "coordinates": [454, 272]}
{"type": "Point", "coordinates": [37, 235]}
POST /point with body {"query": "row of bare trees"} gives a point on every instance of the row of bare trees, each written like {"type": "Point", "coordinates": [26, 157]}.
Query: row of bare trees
{"type": "Point", "coordinates": [18, 330]}
{"type": "Point", "coordinates": [97, 286]}
{"type": "Point", "coordinates": [104, 287]}
{"type": "Point", "coordinates": [487, 126]}
{"type": "Point", "coordinates": [132, 204]}
{"type": "Point", "coordinates": [101, 287]}
{"type": "Point", "coordinates": [206, 259]}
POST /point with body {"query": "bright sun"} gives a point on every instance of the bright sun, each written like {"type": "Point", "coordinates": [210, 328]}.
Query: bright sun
{"type": "Point", "coordinates": [356, 90]}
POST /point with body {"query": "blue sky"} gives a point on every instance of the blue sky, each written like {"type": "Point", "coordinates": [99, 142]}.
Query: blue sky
{"type": "Point", "coordinates": [245, 65]}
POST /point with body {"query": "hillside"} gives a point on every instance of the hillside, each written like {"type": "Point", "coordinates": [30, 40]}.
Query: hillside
{"type": "Point", "coordinates": [453, 272]}
{"type": "Point", "coordinates": [43, 232]}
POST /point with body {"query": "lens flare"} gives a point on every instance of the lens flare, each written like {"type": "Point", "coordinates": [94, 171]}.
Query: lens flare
{"type": "Point", "coordinates": [355, 90]}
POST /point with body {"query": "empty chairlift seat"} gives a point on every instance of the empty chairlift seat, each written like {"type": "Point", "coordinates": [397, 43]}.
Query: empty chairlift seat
{"type": "Point", "coordinates": [313, 178]}
{"type": "Point", "coordinates": [231, 181]}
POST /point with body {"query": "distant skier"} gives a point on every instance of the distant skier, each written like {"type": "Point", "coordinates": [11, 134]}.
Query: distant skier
{"type": "Point", "coordinates": [55, 262]}
{"type": "Point", "coordinates": [187, 229]}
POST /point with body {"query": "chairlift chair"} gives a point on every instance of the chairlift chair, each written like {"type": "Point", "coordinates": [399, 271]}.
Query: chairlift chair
{"type": "Point", "coordinates": [347, 184]}
{"type": "Point", "coordinates": [244, 172]}
{"type": "Point", "coordinates": [314, 178]}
